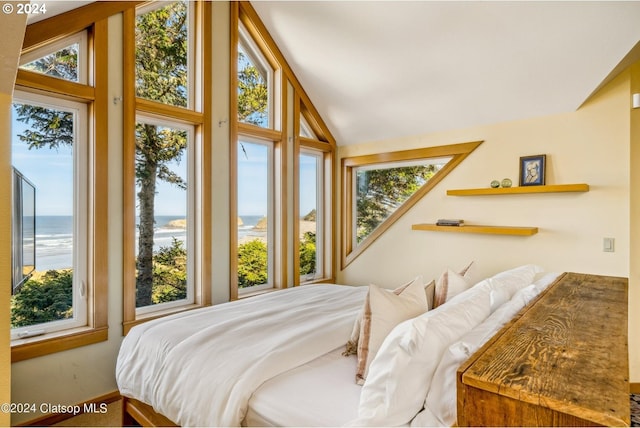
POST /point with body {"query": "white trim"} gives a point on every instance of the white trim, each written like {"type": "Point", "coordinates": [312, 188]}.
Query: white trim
{"type": "Point", "coordinates": [193, 225]}
{"type": "Point", "coordinates": [255, 55]}
{"type": "Point", "coordinates": [306, 130]}
{"type": "Point", "coordinates": [83, 54]}
{"type": "Point", "coordinates": [318, 156]}
{"type": "Point", "coordinates": [192, 102]}
{"type": "Point", "coordinates": [271, 214]}
{"type": "Point", "coordinates": [81, 177]}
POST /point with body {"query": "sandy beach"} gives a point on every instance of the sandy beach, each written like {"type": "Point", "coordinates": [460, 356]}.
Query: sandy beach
{"type": "Point", "coordinates": [260, 233]}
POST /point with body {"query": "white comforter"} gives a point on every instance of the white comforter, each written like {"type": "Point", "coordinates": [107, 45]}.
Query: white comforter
{"type": "Point", "coordinates": [200, 368]}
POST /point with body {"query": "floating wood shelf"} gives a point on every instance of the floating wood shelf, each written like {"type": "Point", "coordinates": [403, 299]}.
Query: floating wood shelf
{"type": "Point", "coordinates": [468, 228]}
{"type": "Point", "coordinates": [553, 188]}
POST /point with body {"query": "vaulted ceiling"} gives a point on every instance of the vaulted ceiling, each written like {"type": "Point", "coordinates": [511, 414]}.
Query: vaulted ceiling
{"type": "Point", "coordinates": [385, 69]}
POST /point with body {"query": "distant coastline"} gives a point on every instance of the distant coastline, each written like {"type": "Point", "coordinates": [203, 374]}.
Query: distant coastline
{"type": "Point", "coordinates": [54, 236]}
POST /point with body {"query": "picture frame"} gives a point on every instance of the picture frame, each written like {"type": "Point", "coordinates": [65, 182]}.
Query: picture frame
{"type": "Point", "coordinates": [532, 170]}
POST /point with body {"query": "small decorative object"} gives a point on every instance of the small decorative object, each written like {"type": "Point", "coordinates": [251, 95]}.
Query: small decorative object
{"type": "Point", "coordinates": [450, 222]}
{"type": "Point", "coordinates": [495, 183]}
{"type": "Point", "coordinates": [506, 182]}
{"type": "Point", "coordinates": [532, 170]}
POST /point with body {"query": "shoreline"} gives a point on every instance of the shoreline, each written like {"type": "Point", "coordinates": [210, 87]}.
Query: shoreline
{"type": "Point", "coordinates": [261, 234]}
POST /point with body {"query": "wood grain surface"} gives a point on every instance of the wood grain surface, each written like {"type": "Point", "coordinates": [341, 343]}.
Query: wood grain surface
{"type": "Point", "coordinates": [563, 360]}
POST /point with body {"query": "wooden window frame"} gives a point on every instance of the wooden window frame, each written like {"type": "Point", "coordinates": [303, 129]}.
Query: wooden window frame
{"type": "Point", "coordinates": [242, 13]}
{"type": "Point", "coordinates": [79, 38]}
{"type": "Point", "coordinates": [317, 144]}
{"type": "Point", "coordinates": [287, 275]}
{"type": "Point", "coordinates": [200, 118]}
{"type": "Point", "coordinates": [81, 177]}
{"type": "Point", "coordinates": [349, 250]}
{"type": "Point", "coordinates": [271, 216]}
{"type": "Point", "coordinates": [96, 97]}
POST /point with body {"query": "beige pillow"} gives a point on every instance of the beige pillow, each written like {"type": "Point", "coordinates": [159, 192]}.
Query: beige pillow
{"type": "Point", "coordinates": [452, 283]}
{"type": "Point", "coordinates": [352, 343]}
{"type": "Point", "coordinates": [383, 310]}
{"type": "Point", "coordinates": [430, 291]}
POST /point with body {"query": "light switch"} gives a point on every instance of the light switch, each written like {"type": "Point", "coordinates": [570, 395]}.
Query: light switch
{"type": "Point", "coordinates": [608, 245]}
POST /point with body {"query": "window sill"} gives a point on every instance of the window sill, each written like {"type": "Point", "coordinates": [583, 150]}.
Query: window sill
{"type": "Point", "coordinates": [257, 293]}
{"type": "Point", "coordinates": [24, 349]}
{"type": "Point", "coordinates": [319, 281]}
{"type": "Point", "coordinates": [128, 325]}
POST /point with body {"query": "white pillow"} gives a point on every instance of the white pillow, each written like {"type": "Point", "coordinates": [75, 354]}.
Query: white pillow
{"type": "Point", "coordinates": [498, 296]}
{"type": "Point", "coordinates": [440, 404]}
{"type": "Point", "coordinates": [545, 279]}
{"type": "Point", "coordinates": [400, 375]}
{"type": "Point", "coordinates": [383, 310]}
{"type": "Point", "coordinates": [514, 279]}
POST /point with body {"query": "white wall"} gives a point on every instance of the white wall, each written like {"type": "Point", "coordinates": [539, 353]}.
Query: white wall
{"type": "Point", "coordinates": [590, 146]}
{"type": "Point", "coordinates": [220, 153]}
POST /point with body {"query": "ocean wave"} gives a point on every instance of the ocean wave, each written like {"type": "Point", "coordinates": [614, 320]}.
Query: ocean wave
{"type": "Point", "coordinates": [55, 243]}
{"type": "Point", "coordinates": [54, 235]}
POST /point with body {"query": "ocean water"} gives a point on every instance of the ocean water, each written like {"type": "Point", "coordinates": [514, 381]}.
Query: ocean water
{"type": "Point", "coordinates": [54, 238]}
{"type": "Point", "coordinates": [54, 242]}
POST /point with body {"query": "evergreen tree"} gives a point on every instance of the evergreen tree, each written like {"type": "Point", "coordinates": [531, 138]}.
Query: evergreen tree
{"type": "Point", "coordinates": [49, 298]}
{"type": "Point", "coordinates": [252, 263]}
{"type": "Point", "coordinates": [252, 93]}
{"type": "Point", "coordinates": [381, 191]}
{"type": "Point", "coordinates": [170, 273]}
{"type": "Point", "coordinates": [62, 64]}
{"type": "Point", "coordinates": [161, 75]}
{"type": "Point", "coordinates": [307, 254]}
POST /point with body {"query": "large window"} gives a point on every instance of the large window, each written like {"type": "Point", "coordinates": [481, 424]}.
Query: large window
{"type": "Point", "coordinates": [64, 59]}
{"type": "Point", "coordinates": [255, 84]}
{"type": "Point", "coordinates": [50, 149]}
{"type": "Point", "coordinates": [380, 188]}
{"type": "Point", "coordinates": [259, 246]}
{"type": "Point", "coordinates": [255, 215]}
{"type": "Point", "coordinates": [166, 187]}
{"type": "Point", "coordinates": [314, 197]}
{"type": "Point", "coordinates": [164, 53]}
{"type": "Point", "coordinates": [282, 161]}
{"type": "Point", "coordinates": [164, 215]}
{"type": "Point", "coordinates": [311, 215]}
{"type": "Point", "coordinates": [60, 198]}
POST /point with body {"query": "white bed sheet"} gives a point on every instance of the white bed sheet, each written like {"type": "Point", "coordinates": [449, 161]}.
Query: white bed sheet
{"type": "Point", "coordinates": [322, 392]}
{"type": "Point", "coordinates": [200, 368]}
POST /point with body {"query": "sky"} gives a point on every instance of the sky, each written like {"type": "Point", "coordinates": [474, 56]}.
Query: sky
{"type": "Point", "coordinates": [51, 171]}
{"type": "Point", "coordinates": [252, 180]}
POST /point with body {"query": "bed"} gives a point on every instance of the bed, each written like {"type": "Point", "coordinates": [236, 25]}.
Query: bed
{"type": "Point", "coordinates": [277, 359]}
